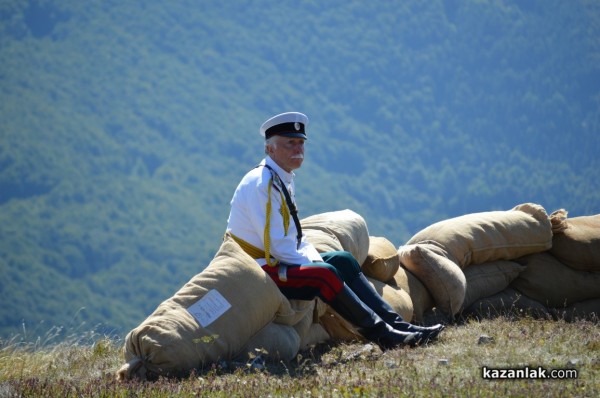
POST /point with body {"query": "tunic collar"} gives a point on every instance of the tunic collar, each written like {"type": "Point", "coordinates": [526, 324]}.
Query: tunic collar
{"type": "Point", "coordinates": [284, 175]}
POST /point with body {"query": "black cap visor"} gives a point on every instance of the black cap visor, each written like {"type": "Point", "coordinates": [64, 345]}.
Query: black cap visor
{"type": "Point", "coordinates": [295, 130]}
{"type": "Point", "coordinates": [293, 135]}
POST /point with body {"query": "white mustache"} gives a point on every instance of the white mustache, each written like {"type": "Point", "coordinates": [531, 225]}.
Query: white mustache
{"type": "Point", "coordinates": [298, 156]}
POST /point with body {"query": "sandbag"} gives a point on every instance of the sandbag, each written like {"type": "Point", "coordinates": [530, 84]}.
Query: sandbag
{"type": "Point", "coordinates": [316, 334]}
{"type": "Point", "coordinates": [508, 301]}
{"type": "Point", "coordinates": [338, 328]}
{"type": "Point", "coordinates": [172, 342]}
{"type": "Point", "coordinates": [382, 260]}
{"type": "Point", "coordinates": [347, 226]}
{"type": "Point", "coordinates": [578, 246]}
{"type": "Point", "coordinates": [434, 317]}
{"type": "Point", "coordinates": [397, 298]}
{"type": "Point", "coordinates": [587, 310]}
{"type": "Point", "coordinates": [554, 284]}
{"type": "Point", "coordinates": [311, 332]}
{"type": "Point", "coordinates": [323, 240]}
{"type": "Point", "coordinates": [419, 295]}
{"type": "Point", "coordinates": [484, 280]}
{"type": "Point", "coordinates": [442, 277]}
{"type": "Point", "coordinates": [279, 342]}
{"type": "Point", "coordinates": [496, 235]}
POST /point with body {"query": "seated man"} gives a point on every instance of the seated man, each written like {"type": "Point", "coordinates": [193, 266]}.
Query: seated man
{"type": "Point", "coordinates": [264, 221]}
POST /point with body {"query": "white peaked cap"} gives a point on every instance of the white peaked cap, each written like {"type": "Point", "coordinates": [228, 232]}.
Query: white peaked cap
{"type": "Point", "coordinates": [288, 124]}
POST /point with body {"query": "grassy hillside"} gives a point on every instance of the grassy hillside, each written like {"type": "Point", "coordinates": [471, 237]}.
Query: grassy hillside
{"type": "Point", "coordinates": [452, 367]}
{"type": "Point", "coordinates": [124, 129]}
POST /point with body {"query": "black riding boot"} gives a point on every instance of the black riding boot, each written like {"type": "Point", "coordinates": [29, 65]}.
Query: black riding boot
{"type": "Point", "coordinates": [365, 291]}
{"type": "Point", "coordinates": [371, 326]}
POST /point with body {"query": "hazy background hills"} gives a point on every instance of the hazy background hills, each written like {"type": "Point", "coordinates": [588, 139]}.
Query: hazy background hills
{"type": "Point", "coordinates": [125, 127]}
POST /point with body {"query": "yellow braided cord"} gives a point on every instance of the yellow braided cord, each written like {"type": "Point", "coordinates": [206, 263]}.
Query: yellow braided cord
{"type": "Point", "coordinates": [285, 213]}
{"type": "Point", "coordinates": [249, 248]}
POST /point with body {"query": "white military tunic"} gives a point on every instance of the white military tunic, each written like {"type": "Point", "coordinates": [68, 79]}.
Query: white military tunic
{"type": "Point", "coordinates": [248, 217]}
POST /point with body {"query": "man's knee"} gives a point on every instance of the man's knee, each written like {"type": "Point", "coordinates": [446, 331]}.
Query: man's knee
{"type": "Point", "coordinates": [344, 262]}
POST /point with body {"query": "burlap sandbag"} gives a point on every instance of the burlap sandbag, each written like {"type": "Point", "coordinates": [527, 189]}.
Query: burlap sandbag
{"type": "Point", "coordinates": [578, 246]}
{"type": "Point", "coordinates": [171, 342]}
{"type": "Point", "coordinates": [338, 328]}
{"type": "Point", "coordinates": [323, 240]}
{"type": "Point", "coordinates": [508, 301]}
{"type": "Point", "coordinates": [554, 284]}
{"type": "Point", "coordinates": [397, 298]}
{"type": "Point", "coordinates": [588, 310]}
{"type": "Point", "coordinates": [309, 334]}
{"type": "Point", "coordinates": [309, 329]}
{"type": "Point", "coordinates": [347, 226]}
{"type": "Point", "coordinates": [497, 235]}
{"type": "Point", "coordinates": [484, 280]}
{"type": "Point", "coordinates": [316, 335]}
{"type": "Point", "coordinates": [278, 342]}
{"type": "Point", "coordinates": [382, 260]}
{"type": "Point", "coordinates": [442, 277]}
{"type": "Point", "coordinates": [419, 295]}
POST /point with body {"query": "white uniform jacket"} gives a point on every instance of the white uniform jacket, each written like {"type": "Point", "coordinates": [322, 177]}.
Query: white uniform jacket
{"type": "Point", "coordinates": [249, 214]}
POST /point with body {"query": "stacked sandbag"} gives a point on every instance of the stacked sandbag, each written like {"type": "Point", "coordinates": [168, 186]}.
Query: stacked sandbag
{"type": "Point", "coordinates": [419, 295]}
{"type": "Point", "coordinates": [309, 329]}
{"type": "Point", "coordinates": [479, 238]}
{"type": "Point", "coordinates": [438, 254]}
{"type": "Point", "coordinates": [508, 301]}
{"type": "Point", "coordinates": [484, 280]}
{"type": "Point", "coordinates": [211, 318]}
{"type": "Point", "coordinates": [323, 240]}
{"type": "Point", "coordinates": [554, 284]}
{"type": "Point", "coordinates": [316, 334]}
{"type": "Point", "coordinates": [382, 268]}
{"type": "Point", "coordinates": [334, 231]}
{"type": "Point", "coordinates": [279, 342]}
{"type": "Point", "coordinates": [587, 309]}
{"type": "Point", "coordinates": [338, 328]}
{"type": "Point", "coordinates": [444, 280]}
{"type": "Point", "coordinates": [382, 260]}
{"type": "Point", "coordinates": [397, 298]}
{"type": "Point", "coordinates": [348, 227]}
{"type": "Point", "coordinates": [282, 341]}
{"type": "Point", "coordinates": [578, 244]}
{"type": "Point", "coordinates": [563, 281]}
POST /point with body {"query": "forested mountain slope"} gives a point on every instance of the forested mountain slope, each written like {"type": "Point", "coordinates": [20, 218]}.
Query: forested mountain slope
{"type": "Point", "coordinates": [125, 127]}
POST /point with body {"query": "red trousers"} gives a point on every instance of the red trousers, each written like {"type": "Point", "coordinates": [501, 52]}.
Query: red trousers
{"type": "Point", "coordinates": [321, 279]}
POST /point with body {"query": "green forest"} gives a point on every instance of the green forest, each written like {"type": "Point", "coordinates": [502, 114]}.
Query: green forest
{"type": "Point", "coordinates": [126, 126]}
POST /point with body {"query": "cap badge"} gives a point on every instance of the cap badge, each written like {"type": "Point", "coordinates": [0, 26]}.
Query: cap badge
{"type": "Point", "coordinates": [297, 126]}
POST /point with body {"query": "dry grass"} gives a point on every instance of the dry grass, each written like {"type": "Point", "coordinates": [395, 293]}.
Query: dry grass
{"type": "Point", "coordinates": [450, 367]}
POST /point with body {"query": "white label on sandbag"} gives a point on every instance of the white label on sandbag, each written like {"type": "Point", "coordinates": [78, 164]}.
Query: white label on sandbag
{"type": "Point", "coordinates": [209, 308]}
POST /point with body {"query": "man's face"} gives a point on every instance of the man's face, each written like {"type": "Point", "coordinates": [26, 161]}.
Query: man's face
{"type": "Point", "coordinates": [287, 152]}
